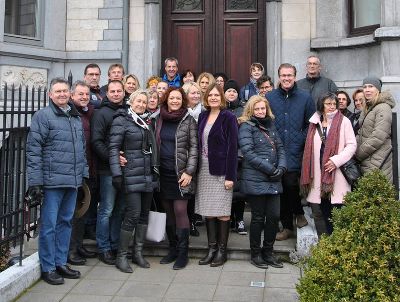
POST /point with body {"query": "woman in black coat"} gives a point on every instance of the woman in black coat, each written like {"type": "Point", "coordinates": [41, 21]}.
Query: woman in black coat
{"type": "Point", "coordinates": [137, 178]}
{"type": "Point", "coordinates": [263, 165]}
{"type": "Point", "coordinates": [176, 136]}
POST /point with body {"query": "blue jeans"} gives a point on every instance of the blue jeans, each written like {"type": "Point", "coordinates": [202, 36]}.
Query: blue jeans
{"type": "Point", "coordinates": [55, 229]}
{"type": "Point", "coordinates": [109, 216]}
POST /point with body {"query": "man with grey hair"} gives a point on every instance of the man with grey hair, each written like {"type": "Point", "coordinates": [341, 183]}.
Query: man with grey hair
{"type": "Point", "coordinates": [314, 83]}
{"type": "Point", "coordinates": [171, 75]}
{"type": "Point", "coordinates": [56, 168]}
{"type": "Point", "coordinates": [77, 254]}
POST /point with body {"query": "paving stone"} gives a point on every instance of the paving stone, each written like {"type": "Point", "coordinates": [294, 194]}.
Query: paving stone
{"type": "Point", "coordinates": [286, 269]}
{"type": "Point", "coordinates": [183, 300]}
{"type": "Point", "coordinates": [97, 287]}
{"type": "Point", "coordinates": [40, 297]}
{"type": "Point", "coordinates": [137, 299]}
{"type": "Point", "coordinates": [240, 279]}
{"type": "Point", "coordinates": [281, 280]}
{"type": "Point", "coordinates": [240, 266]}
{"type": "Point", "coordinates": [197, 277]}
{"type": "Point", "coordinates": [143, 289]}
{"type": "Point", "coordinates": [83, 269]}
{"type": "Point", "coordinates": [86, 298]}
{"type": "Point", "coordinates": [188, 291]}
{"type": "Point", "coordinates": [43, 287]}
{"type": "Point", "coordinates": [194, 265]}
{"type": "Point", "coordinates": [280, 295]}
{"type": "Point", "coordinates": [152, 275]}
{"type": "Point", "coordinates": [92, 261]}
{"type": "Point", "coordinates": [107, 273]}
{"type": "Point", "coordinates": [238, 293]}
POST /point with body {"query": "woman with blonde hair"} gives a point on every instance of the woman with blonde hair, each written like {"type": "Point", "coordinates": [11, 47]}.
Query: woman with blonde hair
{"type": "Point", "coordinates": [193, 92]}
{"type": "Point", "coordinates": [205, 80]}
{"type": "Point", "coordinates": [131, 84]}
{"type": "Point", "coordinates": [263, 165]}
{"type": "Point", "coordinates": [374, 144]}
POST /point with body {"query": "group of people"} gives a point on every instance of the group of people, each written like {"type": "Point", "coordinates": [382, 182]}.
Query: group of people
{"type": "Point", "coordinates": [200, 147]}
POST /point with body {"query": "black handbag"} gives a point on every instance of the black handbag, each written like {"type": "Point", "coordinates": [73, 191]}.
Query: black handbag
{"type": "Point", "coordinates": [351, 171]}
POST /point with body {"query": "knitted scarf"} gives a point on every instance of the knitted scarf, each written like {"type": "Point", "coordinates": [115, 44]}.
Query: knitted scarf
{"type": "Point", "coordinates": [331, 149]}
{"type": "Point", "coordinates": [172, 116]}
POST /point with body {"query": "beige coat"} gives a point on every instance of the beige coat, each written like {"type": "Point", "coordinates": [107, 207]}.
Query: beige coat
{"type": "Point", "coordinates": [374, 137]}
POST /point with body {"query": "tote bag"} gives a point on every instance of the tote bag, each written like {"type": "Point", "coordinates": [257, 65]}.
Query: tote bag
{"type": "Point", "coordinates": [156, 226]}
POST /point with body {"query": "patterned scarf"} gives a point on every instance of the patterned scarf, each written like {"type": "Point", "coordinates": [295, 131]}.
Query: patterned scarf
{"type": "Point", "coordinates": [331, 149]}
{"type": "Point", "coordinates": [137, 119]}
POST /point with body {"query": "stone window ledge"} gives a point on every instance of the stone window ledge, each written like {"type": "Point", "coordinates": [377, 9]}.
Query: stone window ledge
{"type": "Point", "coordinates": [380, 34]}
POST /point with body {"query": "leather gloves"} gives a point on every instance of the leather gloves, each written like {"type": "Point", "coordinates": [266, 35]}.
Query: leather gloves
{"type": "Point", "coordinates": [117, 182]}
{"type": "Point", "coordinates": [277, 175]}
{"type": "Point", "coordinates": [35, 192]}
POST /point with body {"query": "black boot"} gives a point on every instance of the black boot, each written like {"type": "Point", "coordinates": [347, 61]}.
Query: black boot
{"type": "Point", "coordinates": [172, 253]}
{"type": "Point", "coordinates": [211, 225]}
{"type": "Point", "coordinates": [122, 261]}
{"type": "Point", "coordinates": [182, 248]}
{"type": "Point", "coordinates": [223, 234]}
{"type": "Point", "coordinates": [269, 257]}
{"type": "Point", "coordinates": [137, 255]}
{"type": "Point", "coordinates": [76, 241]}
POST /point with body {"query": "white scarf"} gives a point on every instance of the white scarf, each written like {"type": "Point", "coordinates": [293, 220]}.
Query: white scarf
{"type": "Point", "coordinates": [137, 119]}
{"type": "Point", "coordinates": [195, 111]}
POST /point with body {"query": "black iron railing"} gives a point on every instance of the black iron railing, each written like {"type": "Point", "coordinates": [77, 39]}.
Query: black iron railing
{"type": "Point", "coordinates": [18, 217]}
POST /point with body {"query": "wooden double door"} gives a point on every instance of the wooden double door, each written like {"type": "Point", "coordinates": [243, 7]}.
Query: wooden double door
{"type": "Point", "coordinates": [215, 35]}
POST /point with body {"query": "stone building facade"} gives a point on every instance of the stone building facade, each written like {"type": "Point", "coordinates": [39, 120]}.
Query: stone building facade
{"type": "Point", "coordinates": [68, 34]}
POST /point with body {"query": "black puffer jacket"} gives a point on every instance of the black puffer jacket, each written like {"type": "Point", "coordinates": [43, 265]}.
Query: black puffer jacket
{"type": "Point", "coordinates": [100, 134]}
{"type": "Point", "coordinates": [135, 142]}
{"type": "Point", "coordinates": [186, 148]}
{"type": "Point", "coordinates": [260, 158]}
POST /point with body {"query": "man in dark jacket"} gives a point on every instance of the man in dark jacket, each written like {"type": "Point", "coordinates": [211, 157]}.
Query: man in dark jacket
{"type": "Point", "coordinates": [56, 166]}
{"type": "Point", "coordinates": [91, 76]}
{"type": "Point", "coordinates": [292, 108]}
{"type": "Point", "coordinates": [116, 72]}
{"type": "Point", "coordinates": [314, 83]}
{"type": "Point", "coordinates": [77, 252]}
{"type": "Point", "coordinates": [108, 216]}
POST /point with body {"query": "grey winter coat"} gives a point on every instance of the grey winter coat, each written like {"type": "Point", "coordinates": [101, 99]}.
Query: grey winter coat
{"type": "Point", "coordinates": [186, 149]}
{"type": "Point", "coordinates": [137, 144]}
{"type": "Point", "coordinates": [374, 137]}
{"type": "Point", "coordinates": [317, 86]}
{"type": "Point", "coordinates": [261, 157]}
{"type": "Point", "coordinates": [56, 149]}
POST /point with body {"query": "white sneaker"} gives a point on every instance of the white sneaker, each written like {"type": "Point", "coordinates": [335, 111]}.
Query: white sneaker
{"type": "Point", "coordinates": [241, 229]}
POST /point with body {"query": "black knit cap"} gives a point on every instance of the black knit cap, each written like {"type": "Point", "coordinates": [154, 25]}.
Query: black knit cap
{"type": "Point", "coordinates": [231, 84]}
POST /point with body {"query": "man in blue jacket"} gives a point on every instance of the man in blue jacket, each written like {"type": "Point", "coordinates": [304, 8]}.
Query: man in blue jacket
{"type": "Point", "coordinates": [292, 108]}
{"type": "Point", "coordinates": [56, 168]}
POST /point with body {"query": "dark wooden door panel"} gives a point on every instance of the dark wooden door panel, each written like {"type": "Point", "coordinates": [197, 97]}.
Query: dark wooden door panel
{"type": "Point", "coordinates": [189, 45]}
{"type": "Point", "coordinates": [239, 52]}
{"type": "Point", "coordinates": [215, 35]}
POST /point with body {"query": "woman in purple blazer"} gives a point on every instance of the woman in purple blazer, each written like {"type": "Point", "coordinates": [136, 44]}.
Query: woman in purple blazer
{"type": "Point", "coordinates": [218, 139]}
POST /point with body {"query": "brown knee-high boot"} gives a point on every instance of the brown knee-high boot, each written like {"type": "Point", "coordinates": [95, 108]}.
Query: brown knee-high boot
{"type": "Point", "coordinates": [211, 224]}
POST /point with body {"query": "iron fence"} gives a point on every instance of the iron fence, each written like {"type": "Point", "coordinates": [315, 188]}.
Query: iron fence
{"type": "Point", "coordinates": [18, 217]}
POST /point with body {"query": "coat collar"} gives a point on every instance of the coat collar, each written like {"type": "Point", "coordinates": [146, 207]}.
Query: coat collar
{"type": "Point", "coordinates": [57, 110]}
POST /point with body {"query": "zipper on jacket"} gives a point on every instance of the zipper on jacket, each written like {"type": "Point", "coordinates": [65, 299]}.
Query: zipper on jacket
{"type": "Point", "coordinates": [73, 143]}
{"type": "Point", "coordinates": [176, 151]}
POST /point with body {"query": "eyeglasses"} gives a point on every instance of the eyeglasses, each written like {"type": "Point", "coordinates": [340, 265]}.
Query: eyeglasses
{"type": "Point", "coordinates": [330, 104]}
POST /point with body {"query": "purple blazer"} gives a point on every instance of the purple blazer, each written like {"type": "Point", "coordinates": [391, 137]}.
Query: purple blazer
{"type": "Point", "coordinates": [222, 143]}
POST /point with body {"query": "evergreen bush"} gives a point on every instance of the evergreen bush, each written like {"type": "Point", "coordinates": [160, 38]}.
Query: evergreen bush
{"type": "Point", "coordinates": [4, 257]}
{"type": "Point", "coordinates": [360, 261]}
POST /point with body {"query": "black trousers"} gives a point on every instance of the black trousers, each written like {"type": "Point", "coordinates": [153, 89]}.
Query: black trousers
{"type": "Point", "coordinates": [290, 199]}
{"type": "Point", "coordinates": [136, 211]}
{"type": "Point", "coordinates": [326, 209]}
{"type": "Point", "coordinates": [264, 217]}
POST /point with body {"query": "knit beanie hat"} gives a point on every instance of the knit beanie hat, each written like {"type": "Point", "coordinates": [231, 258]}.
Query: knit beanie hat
{"type": "Point", "coordinates": [231, 84]}
{"type": "Point", "coordinates": [373, 81]}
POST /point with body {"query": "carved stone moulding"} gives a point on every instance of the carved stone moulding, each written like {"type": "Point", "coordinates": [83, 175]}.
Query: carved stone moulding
{"type": "Point", "coordinates": [24, 76]}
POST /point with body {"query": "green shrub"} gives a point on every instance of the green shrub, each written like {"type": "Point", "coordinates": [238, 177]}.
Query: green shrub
{"type": "Point", "coordinates": [360, 261]}
{"type": "Point", "coordinates": [4, 257]}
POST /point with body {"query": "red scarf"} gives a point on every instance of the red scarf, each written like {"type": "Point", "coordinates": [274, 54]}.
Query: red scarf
{"type": "Point", "coordinates": [331, 149]}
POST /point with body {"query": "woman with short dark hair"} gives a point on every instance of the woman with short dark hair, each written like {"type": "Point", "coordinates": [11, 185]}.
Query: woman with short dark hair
{"type": "Point", "coordinates": [330, 143]}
